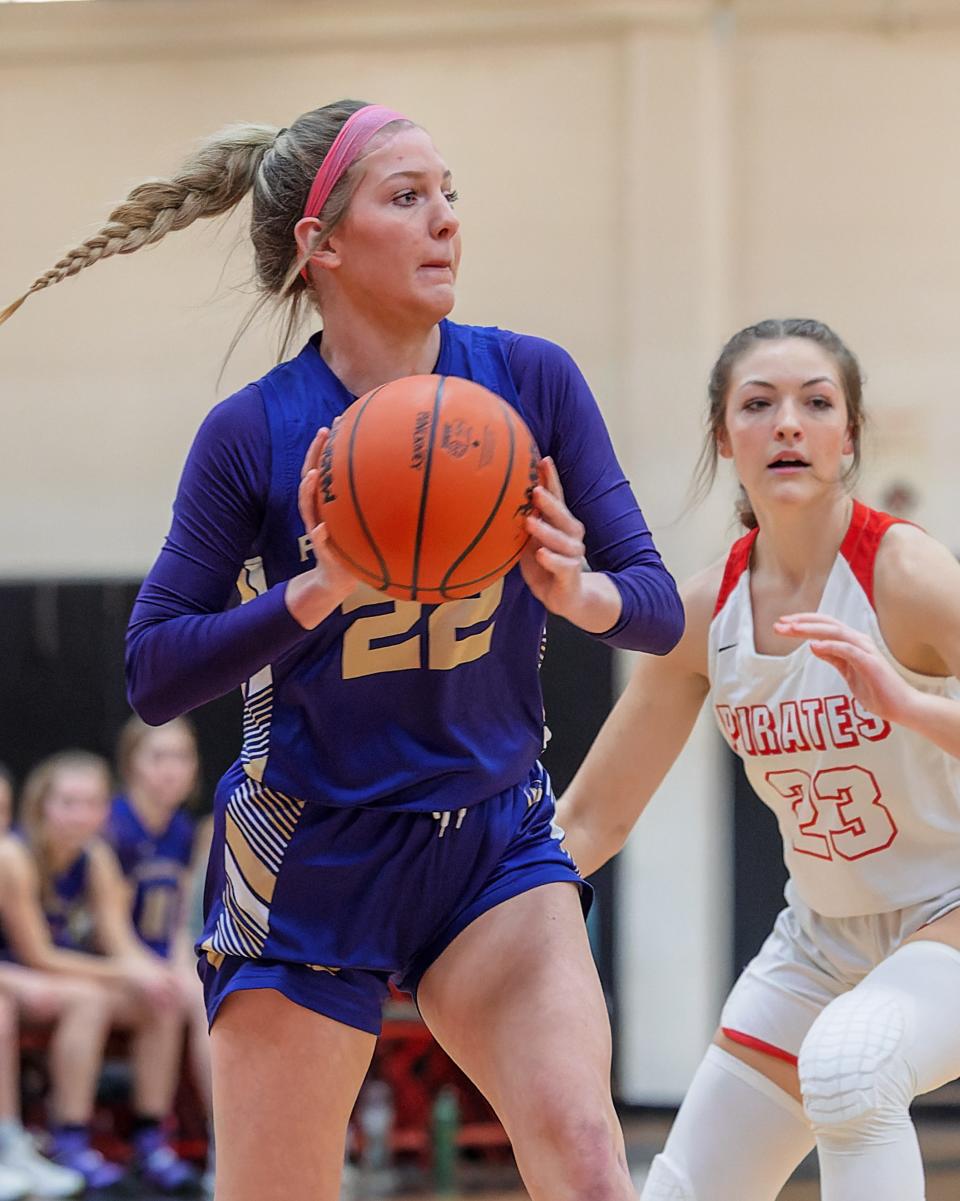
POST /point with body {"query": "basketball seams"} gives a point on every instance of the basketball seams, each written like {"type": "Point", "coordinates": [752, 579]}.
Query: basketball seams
{"type": "Point", "coordinates": [403, 590]}
{"type": "Point", "coordinates": [355, 499]}
{"type": "Point", "coordinates": [442, 588]}
{"type": "Point", "coordinates": [492, 575]}
{"type": "Point", "coordinates": [425, 488]}
{"type": "Point", "coordinates": [370, 576]}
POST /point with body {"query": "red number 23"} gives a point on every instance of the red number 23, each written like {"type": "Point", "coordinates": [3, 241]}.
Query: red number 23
{"type": "Point", "coordinates": [838, 812]}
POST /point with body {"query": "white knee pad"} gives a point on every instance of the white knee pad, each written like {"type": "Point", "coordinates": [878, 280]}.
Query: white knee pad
{"type": "Point", "coordinates": [867, 1055]}
{"type": "Point", "coordinates": [852, 1064]}
{"type": "Point", "coordinates": [872, 1050]}
{"type": "Point", "coordinates": [666, 1183]}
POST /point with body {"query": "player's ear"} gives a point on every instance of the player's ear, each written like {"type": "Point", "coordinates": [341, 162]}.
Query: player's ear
{"type": "Point", "coordinates": [723, 443]}
{"type": "Point", "coordinates": [310, 239]}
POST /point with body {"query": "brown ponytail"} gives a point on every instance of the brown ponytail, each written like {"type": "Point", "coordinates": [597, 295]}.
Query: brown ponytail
{"type": "Point", "coordinates": [211, 182]}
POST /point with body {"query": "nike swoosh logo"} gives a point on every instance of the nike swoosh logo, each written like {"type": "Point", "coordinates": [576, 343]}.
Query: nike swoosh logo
{"type": "Point", "coordinates": [728, 647]}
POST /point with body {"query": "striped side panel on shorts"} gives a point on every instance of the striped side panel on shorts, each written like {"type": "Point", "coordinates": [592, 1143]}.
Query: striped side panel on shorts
{"type": "Point", "coordinates": [260, 823]}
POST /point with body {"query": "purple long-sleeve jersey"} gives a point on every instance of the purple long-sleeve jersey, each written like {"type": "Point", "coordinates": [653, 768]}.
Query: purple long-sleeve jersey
{"type": "Point", "coordinates": [329, 716]}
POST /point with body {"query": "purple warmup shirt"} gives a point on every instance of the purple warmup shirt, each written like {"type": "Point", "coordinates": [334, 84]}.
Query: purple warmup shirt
{"type": "Point", "coordinates": [328, 715]}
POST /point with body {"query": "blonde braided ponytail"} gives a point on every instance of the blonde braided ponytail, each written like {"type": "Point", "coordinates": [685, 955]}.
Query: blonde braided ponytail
{"type": "Point", "coordinates": [210, 182]}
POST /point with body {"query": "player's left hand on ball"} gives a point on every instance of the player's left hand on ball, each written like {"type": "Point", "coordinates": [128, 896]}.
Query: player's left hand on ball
{"type": "Point", "coordinates": [553, 561]}
{"type": "Point", "coordinates": [867, 672]}
{"type": "Point", "coordinates": [333, 575]}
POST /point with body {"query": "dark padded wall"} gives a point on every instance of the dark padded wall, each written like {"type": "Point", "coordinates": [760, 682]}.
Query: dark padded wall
{"type": "Point", "coordinates": [62, 649]}
{"type": "Point", "coordinates": [758, 870]}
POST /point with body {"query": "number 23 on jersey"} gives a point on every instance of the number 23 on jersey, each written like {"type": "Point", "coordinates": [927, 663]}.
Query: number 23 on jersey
{"type": "Point", "coordinates": [838, 812]}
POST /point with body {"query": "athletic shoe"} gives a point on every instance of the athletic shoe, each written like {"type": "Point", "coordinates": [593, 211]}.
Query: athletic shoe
{"type": "Point", "coordinates": [13, 1184]}
{"type": "Point", "coordinates": [159, 1165]}
{"type": "Point", "coordinates": [71, 1149]}
{"type": "Point", "coordinates": [45, 1179]}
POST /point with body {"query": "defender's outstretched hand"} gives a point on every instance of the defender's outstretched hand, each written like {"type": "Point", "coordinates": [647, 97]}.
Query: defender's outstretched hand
{"type": "Point", "coordinates": [868, 673]}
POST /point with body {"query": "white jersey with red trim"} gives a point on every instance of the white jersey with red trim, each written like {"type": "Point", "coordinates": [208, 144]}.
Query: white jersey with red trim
{"type": "Point", "coordinates": [869, 813]}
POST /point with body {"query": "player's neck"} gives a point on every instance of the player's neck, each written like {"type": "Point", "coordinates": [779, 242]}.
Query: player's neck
{"type": "Point", "coordinates": [154, 815]}
{"type": "Point", "coordinates": [364, 354]}
{"type": "Point", "coordinates": [800, 543]}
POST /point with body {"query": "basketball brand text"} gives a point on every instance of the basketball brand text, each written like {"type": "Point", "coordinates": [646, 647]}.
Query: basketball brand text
{"type": "Point", "coordinates": [456, 438]}
{"type": "Point", "coordinates": [533, 479]}
{"type": "Point", "coordinates": [326, 469]}
{"type": "Point", "coordinates": [420, 429]}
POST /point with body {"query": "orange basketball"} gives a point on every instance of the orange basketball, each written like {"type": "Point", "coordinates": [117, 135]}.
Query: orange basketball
{"type": "Point", "coordinates": [424, 486]}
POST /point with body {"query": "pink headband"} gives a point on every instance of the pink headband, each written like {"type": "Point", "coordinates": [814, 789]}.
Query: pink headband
{"type": "Point", "coordinates": [356, 131]}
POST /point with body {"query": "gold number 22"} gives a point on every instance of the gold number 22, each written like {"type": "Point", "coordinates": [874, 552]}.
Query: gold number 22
{"type": "Point", "coordinates": [364, 652]}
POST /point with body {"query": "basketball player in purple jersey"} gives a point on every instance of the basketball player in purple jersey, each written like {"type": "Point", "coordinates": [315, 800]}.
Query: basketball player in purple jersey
{"type": "Point", "coordinates": [829, 642]}
{"type": "Point", "coordinates": [387, 816]}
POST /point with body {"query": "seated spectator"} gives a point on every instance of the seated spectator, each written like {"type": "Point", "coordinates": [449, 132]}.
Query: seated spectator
{"type": "Point", "coordinates": [155, 838]}
{"type": "Point", "coordinates": [65, 913]}
{"type": "Point", "coordinates": [23, 1170]}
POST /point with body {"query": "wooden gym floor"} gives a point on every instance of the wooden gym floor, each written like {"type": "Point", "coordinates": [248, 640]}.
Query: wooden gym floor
{"type": "Point", "coordinates": [939, 1140]}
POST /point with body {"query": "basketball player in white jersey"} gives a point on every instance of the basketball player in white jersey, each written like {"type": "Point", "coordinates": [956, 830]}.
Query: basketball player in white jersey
{"type": "Point", "coordinates": [828, 641]}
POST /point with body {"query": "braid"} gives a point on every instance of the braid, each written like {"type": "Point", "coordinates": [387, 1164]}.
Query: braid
{"type": "Point", "coordinates": [211, 182]}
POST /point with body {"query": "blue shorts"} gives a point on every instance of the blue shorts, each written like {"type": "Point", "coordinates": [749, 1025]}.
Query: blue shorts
{"type": "Point", "coordinates": [326, 905]}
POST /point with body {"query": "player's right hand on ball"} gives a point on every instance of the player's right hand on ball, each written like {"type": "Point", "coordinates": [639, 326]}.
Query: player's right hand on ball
{"type": "Point", "coordinates": [314, 595]}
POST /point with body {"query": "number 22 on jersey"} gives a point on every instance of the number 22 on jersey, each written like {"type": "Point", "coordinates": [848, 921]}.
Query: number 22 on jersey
{"type": "Point", "coordinates": [390, 641]}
